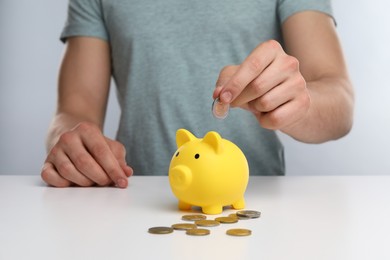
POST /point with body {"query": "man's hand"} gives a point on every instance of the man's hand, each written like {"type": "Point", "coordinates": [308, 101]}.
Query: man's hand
{"type": "Point", "coordinates": [313, 100]}
{"type": "Point", "coordinates": [84, 157]}
{"type": "Point", "coordinates": [269, 84]}
{"type": "Point", "coordinates": [78, 152]}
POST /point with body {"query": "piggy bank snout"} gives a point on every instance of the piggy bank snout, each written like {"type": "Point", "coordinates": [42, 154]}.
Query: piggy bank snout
{"type": "Point", "coordinates": [180, 177]}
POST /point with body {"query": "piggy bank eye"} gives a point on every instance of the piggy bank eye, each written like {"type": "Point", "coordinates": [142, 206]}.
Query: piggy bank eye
{"type": "Point", "coordinates": [197, 156]}
{"type": "Point", "coordinates": [177, 154]}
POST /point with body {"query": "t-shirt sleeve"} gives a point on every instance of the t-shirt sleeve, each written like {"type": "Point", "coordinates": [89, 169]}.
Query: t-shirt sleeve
{"type": "Point", "coordinates": [85, 18]}
{"type": "Point", "coordinates": [286, 8]}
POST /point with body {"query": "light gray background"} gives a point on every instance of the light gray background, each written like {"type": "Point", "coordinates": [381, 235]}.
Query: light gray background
{"type": "Point", "coordinates": [30, 54]}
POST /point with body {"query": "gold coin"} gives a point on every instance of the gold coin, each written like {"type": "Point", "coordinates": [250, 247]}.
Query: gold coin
{"type": "Point", "coordinates": [207, 223]}
{"type": "Point", "coordinates": [198, 232]}
{"type": "Point", "coordinates": [227, 220]}
{"type": "Point", "coordinates": [233, 215]}
{"type": "Point", "coordinates": [160, 230]}
{"type": "Point", "coordinates": [193, 217]}
{"type": "Point", "coordinates": [248, 213]}
{"type": "Point", "coordinates": [240, 232]}
{"type": "Point", "coordinates": [183, 226]}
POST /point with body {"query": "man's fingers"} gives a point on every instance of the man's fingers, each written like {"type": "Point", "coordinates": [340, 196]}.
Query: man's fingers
{"type": "Point", "coordinates": [72, 146]}
{"type": "Point", "coordinates": [82, 156]}
{"type": "Point", "coordinates": [269, 79]}
{"type": "Point", "coordinates": [101, 152]}
{"type": "Point", "coordinates": [224, 75]}
{"type": "Point", "coordinates": [50, 175]}
{"type": "Point", "coordinates": [83, 161]}
{"type": "Point", "coordinates": [274, 98]}
{"type": "Point", "coordinates": [280, 117]}
{"type": "Point", "coordinates": [66, 169]}
{"type": "Point", "coordinates": [250, 69]}
{"type": "Point", "coordinates": [87, 165]}
{"type": "Point", "coordinates": [119, 152]}
{"type": "Point", "coordinates": [127, 169]}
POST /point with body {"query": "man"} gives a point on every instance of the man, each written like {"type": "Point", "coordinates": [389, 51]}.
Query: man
{"type": "Point", "coordinates": [279, 63]}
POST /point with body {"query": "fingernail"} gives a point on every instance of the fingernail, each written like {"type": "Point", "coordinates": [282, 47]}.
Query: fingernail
{"type": "Point", "coordinates": [122, 183]}
{"type": "Point", "coordinates": [218, 88]}
{"type": "Point", "coordinates": [226, 97]}
{"type": "Point", "coordinates": [216, 92]}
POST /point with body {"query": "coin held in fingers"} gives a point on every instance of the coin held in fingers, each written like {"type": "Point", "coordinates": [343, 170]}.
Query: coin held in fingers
{"type": "Point", "coordinates": [219, 109]}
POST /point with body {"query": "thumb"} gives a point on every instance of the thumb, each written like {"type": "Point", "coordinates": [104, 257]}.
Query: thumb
{"type": "Point", "coordinates": [224, 76]}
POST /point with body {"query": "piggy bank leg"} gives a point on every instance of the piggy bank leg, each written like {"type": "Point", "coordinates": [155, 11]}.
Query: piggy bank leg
{"type": "Point", "coordinates": [184, 206]}
{"type": "Point", "coordinates": [240, 204]}
{"type": "Point", "coordinates": [212, 210]}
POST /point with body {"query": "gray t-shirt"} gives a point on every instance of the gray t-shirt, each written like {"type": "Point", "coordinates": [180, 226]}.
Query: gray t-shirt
{"type": "Point", "coordinates": [166, 58]}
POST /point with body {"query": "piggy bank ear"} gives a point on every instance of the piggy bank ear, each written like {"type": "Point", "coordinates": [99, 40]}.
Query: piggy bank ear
{"type": "Point", "coordinates": [215, 140]}
{"type": "Point", "coordinates": [183, 136]}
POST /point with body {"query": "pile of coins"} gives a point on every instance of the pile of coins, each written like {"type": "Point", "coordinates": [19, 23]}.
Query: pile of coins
{"type": "Point", "coordinates": [201, 221]}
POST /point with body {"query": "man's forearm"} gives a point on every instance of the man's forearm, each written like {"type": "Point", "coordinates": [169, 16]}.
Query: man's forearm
{"type": "Point", "coordinates": [330, 115]}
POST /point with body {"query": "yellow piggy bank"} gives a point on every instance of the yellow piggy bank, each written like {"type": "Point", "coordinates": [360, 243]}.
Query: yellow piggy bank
{"type": "Point", "coordinates": [210, 173]}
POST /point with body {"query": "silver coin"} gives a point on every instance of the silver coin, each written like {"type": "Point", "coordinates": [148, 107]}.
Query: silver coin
{"type": "Point", "coordinates": [219, 109]}
{"type": "Point", "coordinates": [248, 213]}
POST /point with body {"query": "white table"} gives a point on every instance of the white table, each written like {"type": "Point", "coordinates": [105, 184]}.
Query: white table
{"type": "Point", "coordinates": [302, 218]}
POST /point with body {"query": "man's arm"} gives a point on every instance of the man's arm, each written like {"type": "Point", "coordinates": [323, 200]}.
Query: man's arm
{"type": "Point", "coordinates": [303, 90]}
{"type": "Point", "coordinates": [78, 153]}
{"type": "Point", "coordinates": [311, 38]}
